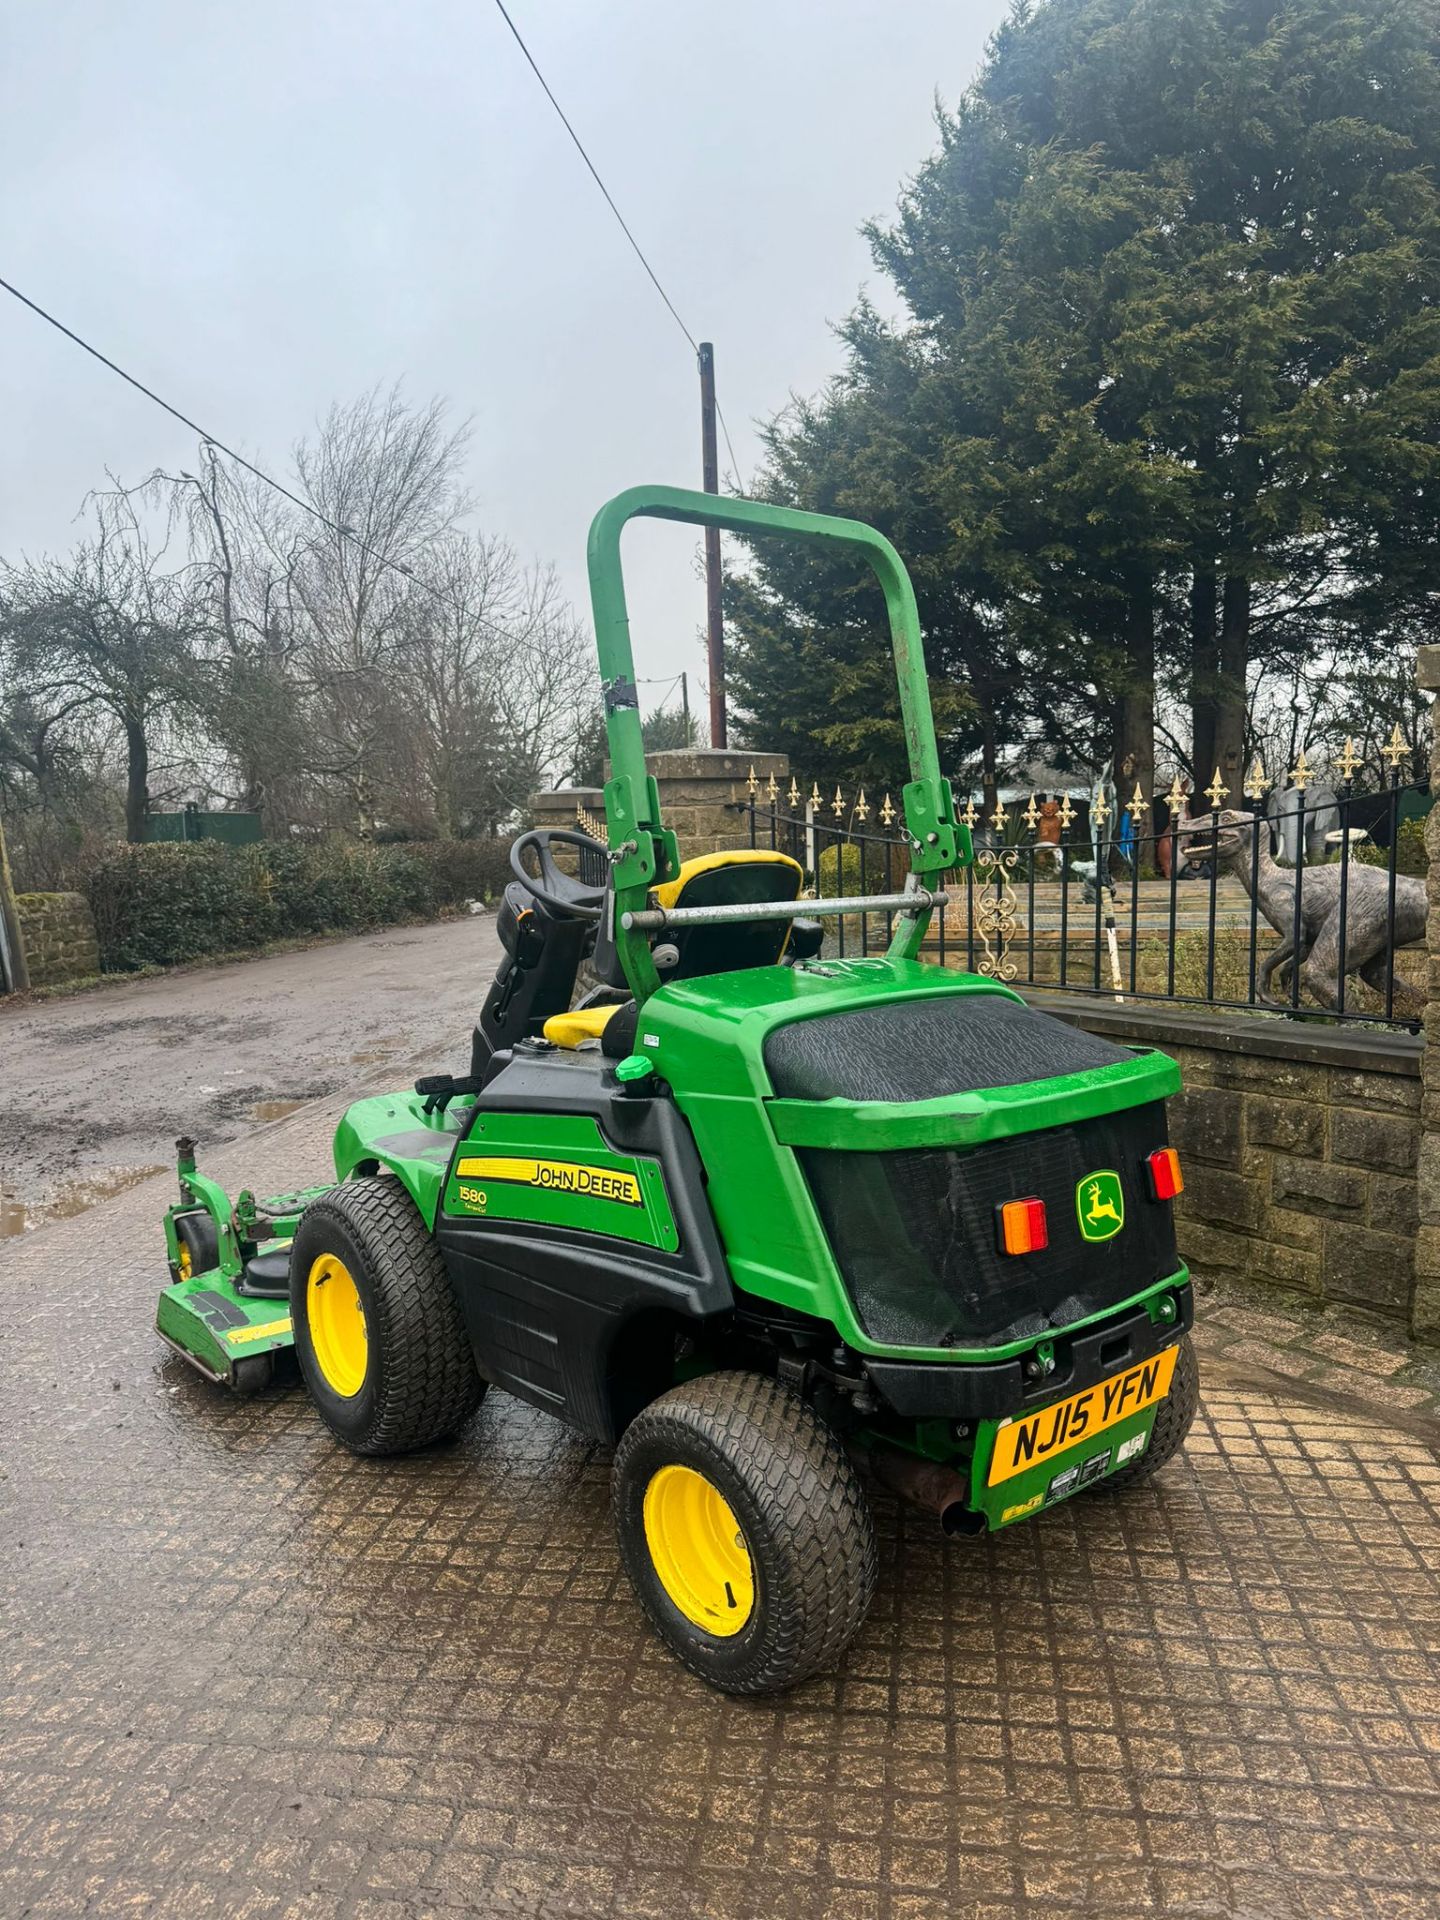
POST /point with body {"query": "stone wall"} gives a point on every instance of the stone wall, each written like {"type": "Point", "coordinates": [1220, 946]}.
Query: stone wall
{"type": "Point", "coordinates": [1300, 1148]}
{"type": "Point", "coordinates": [59, 936]}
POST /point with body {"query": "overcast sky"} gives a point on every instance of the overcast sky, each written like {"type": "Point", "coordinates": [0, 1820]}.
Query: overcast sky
{"type": "Point", "coordinates": [260, 209]}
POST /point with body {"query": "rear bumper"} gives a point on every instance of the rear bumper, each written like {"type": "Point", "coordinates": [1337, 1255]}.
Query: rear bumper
{"type": "Point", "coordinates": [993, 1389]}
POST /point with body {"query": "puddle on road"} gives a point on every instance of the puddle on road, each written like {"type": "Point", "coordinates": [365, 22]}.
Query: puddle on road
{"type": "Point", "coordinates": [62, 1203]}
{"type": "Point", "coordinates": [274, 1109]}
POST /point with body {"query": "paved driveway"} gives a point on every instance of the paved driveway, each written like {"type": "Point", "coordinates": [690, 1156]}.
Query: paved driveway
{"type": "Point", "coordinates": [245, 1674]}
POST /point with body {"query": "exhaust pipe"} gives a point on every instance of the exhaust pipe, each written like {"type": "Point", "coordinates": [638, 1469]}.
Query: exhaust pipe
{"type": "Point", "coordinates": [926, 1484]}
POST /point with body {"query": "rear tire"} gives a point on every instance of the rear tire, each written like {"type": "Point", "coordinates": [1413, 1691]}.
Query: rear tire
{"type": "Point", "coordinates": [1172, 1424]}
{"type": "Point", "coordinates": [745, 1532]}
{"type": "Point", "coordinates": [378, 1331]}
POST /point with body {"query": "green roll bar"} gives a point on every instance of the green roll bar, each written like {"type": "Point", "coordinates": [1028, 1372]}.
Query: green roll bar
{"type": "Point", "coordinates": [643, 850]}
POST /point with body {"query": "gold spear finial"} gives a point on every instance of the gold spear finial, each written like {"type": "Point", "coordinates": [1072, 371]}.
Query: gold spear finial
{"type": "Point", "coordinates": [794, 793]}
{"type": "Point", "coordinates": [1349, 762]}
{"type": "Point", "coordinates": [1067, 812]}
{"type": "Point", "coordinates": [862, 811]}
{"type": "Point", "coordinates": [887, 812]}
{"type": "Point", "coordinates": [1395, 749]}
{"type": "Point", "coordinates": [1099, 812]}
{"type": "Point", "coordinates": [1138, 806]}
{"type": "Point", "coordinates": [1175, 799]}
{"type": "Point", "coordinates": [1217, 791]}
{"type": "Point", "coordinates": [999, 817]}
{"type": "Point", "coordinates": [1302, 772]}
{"type": "Point", "coordinates": [970, 816]}
{"type": "Point", "coordinates": [752, 783]}
{"type": "Point", "coordinates": [837, 805]}
{"type": "Point", "coordinates": [1256, 784]}
{"type": "Point", "coordinates": [772, 792]}
{"type": "Point", "coordinates": [815, 800]}
{"type": "Point", "coordinates": [1032, 814]}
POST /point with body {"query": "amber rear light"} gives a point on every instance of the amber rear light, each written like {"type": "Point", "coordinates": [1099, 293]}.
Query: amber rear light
{"type": "Point", "coordinates": [1020, 1226]}
{"type": "Point", "coordinates": [1166, 1179]}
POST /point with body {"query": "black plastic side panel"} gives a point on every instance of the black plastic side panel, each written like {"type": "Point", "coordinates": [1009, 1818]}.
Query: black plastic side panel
{"type": "Point", "coordinates": [546, 1306]}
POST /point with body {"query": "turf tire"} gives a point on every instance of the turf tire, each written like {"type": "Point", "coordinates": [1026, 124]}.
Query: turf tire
{"type": "Point", "coordinates": [420, 1381]}
{"type": "Point", "coordinates": [197, 1234]}
{"type": "Point", "coordinates": [801, 1507]}
{"type": "Point", "coordinates": [1172, 1424]}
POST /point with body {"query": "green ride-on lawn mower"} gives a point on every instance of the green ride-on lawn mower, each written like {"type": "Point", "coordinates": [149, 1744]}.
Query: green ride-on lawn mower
{"type": "Point", "coordinates": [757, 1218]}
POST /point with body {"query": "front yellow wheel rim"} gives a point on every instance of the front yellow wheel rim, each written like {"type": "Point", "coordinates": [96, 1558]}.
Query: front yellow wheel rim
{"type": "Point", "coordinates": [698, 1550]}
{"type": "Point", "coordinates": [337, 1325]}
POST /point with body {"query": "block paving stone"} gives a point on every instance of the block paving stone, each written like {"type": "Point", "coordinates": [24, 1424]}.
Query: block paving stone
{"type": "Point", "coordinates": [244, 1674]}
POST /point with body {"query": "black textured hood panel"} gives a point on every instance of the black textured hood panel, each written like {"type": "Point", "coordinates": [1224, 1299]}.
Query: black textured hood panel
{"type": "Point", "coordinates": [925, 1049]}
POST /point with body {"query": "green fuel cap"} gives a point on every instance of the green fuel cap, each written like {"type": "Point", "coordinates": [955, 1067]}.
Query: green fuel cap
{"type": "Point", "coordinates": [634, 1067]}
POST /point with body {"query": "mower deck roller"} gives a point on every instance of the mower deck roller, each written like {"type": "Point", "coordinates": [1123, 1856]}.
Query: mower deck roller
{"type": "Point", "coordinates": [773, 1225]}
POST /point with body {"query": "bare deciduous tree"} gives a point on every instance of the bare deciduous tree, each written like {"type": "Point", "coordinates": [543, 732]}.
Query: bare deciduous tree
{"type": "Point", "coordinates": [365, 664]}
{"type": "Point", "coordinates": [115, 626]}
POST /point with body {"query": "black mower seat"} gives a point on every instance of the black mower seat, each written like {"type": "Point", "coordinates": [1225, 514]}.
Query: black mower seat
{"type": "Point", "coordinates": [744, 877]}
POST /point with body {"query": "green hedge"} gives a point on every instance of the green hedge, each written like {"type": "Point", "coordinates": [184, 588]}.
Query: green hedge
{"type": "Point", "coordinates": [168, 902]}
{"type": "Point", "coordinates": [1409, 851]}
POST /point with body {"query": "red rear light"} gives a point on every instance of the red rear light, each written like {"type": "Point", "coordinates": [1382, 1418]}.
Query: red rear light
{"type": "Point", "coordinates": [1166, 1179]}
{"type": "Point", "coordinates": [1020, 1226]}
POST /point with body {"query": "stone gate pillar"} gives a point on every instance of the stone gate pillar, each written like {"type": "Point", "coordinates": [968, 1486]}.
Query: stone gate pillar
{"type": "Point", "coordinates": [1426, 1313]}
{"type": "Point", "coordinates": [704, 796]}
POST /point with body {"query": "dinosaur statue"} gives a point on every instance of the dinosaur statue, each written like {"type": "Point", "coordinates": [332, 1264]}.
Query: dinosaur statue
{"type": "Point", "coordinates": [1229, 841]}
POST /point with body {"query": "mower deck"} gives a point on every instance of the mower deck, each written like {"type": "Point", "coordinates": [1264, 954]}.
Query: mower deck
{"type": "Point", "coordinates": [218, 1329]}
{"type": "Point", "coordinates": [227, 1308]}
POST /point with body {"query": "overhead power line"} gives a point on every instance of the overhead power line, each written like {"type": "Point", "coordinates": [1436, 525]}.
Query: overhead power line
{"type": "Point", "coordinates": [342, 532]}
{"type": "Point", "coordinates": [213, 440]}
{"type": "Point", "coordinates": [595, 176]}
{"type": "Point", "coordinates": [624, 224]}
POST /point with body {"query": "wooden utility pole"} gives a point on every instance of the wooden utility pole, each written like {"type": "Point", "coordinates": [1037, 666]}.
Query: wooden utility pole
{"type": "Point", "coordinates": [714, 619]}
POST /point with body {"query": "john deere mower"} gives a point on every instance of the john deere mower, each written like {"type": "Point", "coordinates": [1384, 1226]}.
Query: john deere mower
{"type": "Point", "coordinates": [769, 1223]}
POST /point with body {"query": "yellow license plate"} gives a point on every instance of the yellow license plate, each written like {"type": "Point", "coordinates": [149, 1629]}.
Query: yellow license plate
{"type": "Point", "coordinates": [1040, 1436]}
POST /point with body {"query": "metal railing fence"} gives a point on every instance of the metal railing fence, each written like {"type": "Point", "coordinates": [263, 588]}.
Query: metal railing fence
{"type": "Point", "coordinates": [1199, 911]}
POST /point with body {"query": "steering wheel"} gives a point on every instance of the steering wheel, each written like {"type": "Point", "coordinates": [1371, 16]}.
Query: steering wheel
{"type": "Point", "coordinates": [559, 891]}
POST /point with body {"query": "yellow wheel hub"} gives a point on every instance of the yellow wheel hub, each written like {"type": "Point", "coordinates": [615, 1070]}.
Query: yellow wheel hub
{"type": "Point", "coordinates": [184, 1265]}
{"type": "Point", "coordinates": [337, 1325]}
{"type": "Point", "coordinates": [699, 1551]}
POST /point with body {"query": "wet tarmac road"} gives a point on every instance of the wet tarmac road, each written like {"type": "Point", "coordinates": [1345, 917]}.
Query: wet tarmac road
{"type": "Point", "coordinates": [95, 1086]}
{"type": "Point", "coordinates": [244, 1674]}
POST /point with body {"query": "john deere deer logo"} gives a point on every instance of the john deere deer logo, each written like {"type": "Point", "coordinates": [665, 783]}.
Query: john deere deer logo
{"type": "Point", "coordinates": [1100, 1205]}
